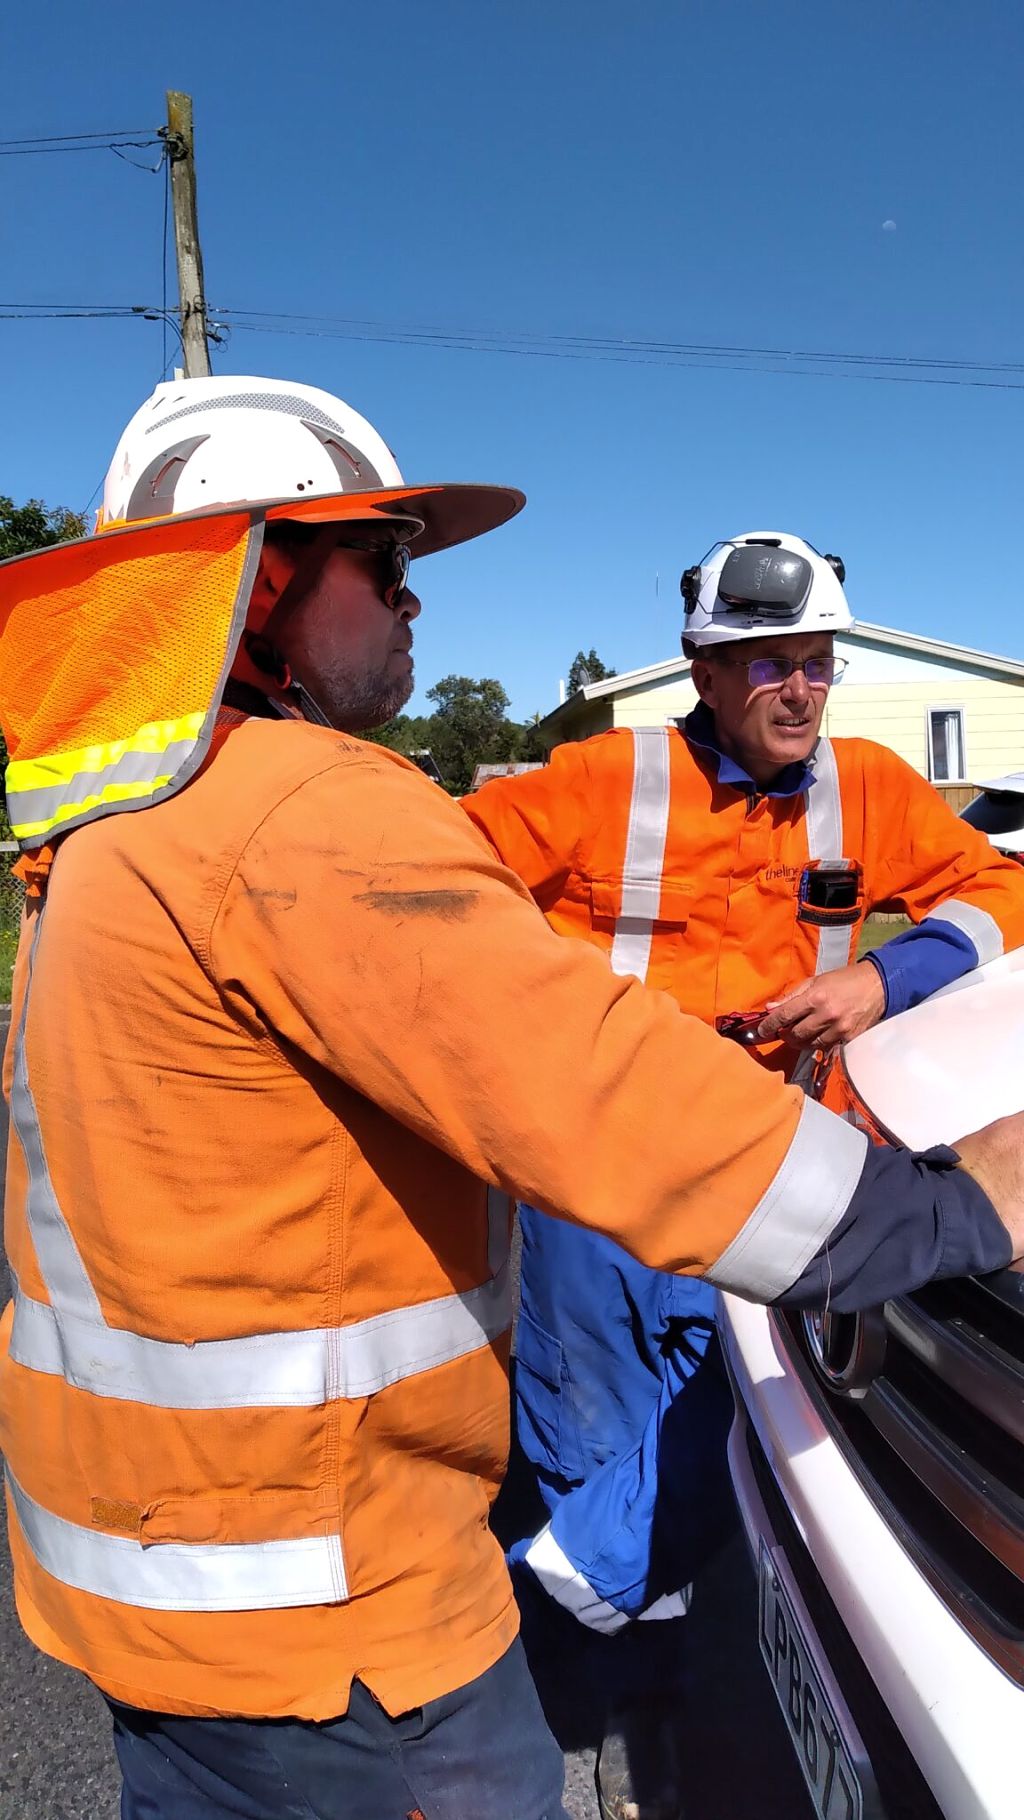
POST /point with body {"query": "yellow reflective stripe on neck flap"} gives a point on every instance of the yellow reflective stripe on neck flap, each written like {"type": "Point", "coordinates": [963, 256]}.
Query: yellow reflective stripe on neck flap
{"type": "Point", "coordinates": [43, 793]}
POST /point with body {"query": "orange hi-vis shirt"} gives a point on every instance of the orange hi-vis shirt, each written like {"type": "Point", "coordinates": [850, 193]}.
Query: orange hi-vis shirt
{"type": "Point", "coordinates": [282, 1044]}
{"type": "Point", "coordinates": [630, 841]}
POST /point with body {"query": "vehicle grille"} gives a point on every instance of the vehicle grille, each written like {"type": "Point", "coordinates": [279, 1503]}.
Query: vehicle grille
{"type": "Point", "coordinates": [937, 1438]}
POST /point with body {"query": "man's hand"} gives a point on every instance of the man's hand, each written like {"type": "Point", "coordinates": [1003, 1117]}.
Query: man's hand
{"type": "Point", "coordinates": [995, 1158]}
{"type": "Point", "coordinates": [831, 1008]}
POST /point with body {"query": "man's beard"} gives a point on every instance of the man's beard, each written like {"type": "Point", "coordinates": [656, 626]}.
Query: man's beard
{"type": "Point", "coordinates": [355, 702]}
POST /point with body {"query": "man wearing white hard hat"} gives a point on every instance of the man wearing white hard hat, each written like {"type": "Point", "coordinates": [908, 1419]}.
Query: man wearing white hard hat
{"type": "Point", "coordinates": [729, 860]}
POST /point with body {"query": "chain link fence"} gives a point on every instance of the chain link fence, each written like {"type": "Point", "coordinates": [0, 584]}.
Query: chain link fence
{"type": "Point", "coordinates": [12, 896]}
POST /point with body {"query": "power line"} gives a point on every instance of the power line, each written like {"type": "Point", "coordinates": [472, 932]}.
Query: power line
{"type": "Point", "coordinates": [120, 143]}
{"type": "Point", "coordinates": [526, 341]}
{"type": "Point", "coordinates": [7, 315]}
{"type": "Point", "coordinates": [796, 362]}
{"type": "Point", "coordinates": [151, 170]}
{"type": "Point", "coordinates": [120, 132]}
{"type": "Point", "coordinates": [120, 147]}
{"type": "Point", "coordinates": [56, 309]}
{"type": "Point", "coordinates": [702, 359]}
{"type": "Point", "coordinates": [523, 342]}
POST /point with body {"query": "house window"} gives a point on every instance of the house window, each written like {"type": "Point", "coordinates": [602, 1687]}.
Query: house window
{"type": "Point", "coordinates": [947, 759]}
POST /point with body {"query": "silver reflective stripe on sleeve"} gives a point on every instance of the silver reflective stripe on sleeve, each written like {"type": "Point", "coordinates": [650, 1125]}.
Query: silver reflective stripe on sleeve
{"type": "Point", "coordinates": [645, 852]}
{"type": "Point", "coordinates": [824, 820]}
{"type": "Point", "coordinates": [176, 1576]}
{"type": "Point", "coordinates": [265, 1370]}
{"type": "Point", "coordinates": [808, 1197]}
{"type": "Point", "coordinates": [981, 929]}
{"type": "Point", "coordinates": [567, 1586]}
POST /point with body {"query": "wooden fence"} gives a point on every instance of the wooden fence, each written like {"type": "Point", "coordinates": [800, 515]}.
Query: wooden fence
{"type": "Point", "coordinates": [957, 795]}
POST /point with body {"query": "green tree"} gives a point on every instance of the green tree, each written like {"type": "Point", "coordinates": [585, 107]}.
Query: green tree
{"type": "Point", "coordinates": [469, 727]}
{"type": "Point", "coordinates": [34, 526]}
{"type": "Point", "coordinates": [586, 667]}
{"type": "Point", "coordinates": [530, 748]}
{"type": "Point", "coordinates": [406, 733]}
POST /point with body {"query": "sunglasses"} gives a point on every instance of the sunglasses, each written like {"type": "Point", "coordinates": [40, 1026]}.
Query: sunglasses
{"type": "Point", "coordinates": [394, 560]}
{"type": "Point", "coordinates": [770, 672]}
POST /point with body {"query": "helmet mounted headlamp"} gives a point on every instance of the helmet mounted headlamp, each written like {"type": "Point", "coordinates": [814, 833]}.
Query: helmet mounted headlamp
{"type": "Point", "coordinates": [759, 577]}
{"type": "Point", "coordinates": [769, 582]}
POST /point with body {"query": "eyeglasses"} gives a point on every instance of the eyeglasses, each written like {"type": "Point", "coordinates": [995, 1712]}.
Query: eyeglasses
{"type": "Point", "coordinates": [770, 672]}
{"type": "Point", "coordinates": [394, 566]}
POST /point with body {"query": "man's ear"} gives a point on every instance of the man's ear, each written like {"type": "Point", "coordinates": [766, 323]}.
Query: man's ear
{"type": "Point", "coordinates": [277, 566]}
{"type": "Point", "coordinates": [704, 679]}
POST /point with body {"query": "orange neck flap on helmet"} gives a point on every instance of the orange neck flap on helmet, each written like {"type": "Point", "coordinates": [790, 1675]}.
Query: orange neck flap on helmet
{"type": "Point", "coordinates": [114, 652]}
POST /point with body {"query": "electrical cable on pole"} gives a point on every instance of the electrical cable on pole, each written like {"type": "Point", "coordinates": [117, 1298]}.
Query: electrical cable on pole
{"type": "Point", "coordinates": [178, 140]}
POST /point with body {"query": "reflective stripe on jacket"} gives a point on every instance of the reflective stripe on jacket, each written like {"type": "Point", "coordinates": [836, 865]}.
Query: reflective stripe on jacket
{"type": "Point", "coordinates": [279, 1043]}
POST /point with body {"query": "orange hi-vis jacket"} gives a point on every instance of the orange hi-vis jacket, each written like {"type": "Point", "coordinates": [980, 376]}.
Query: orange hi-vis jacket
{"type": "Point", "coordinates": [630, 841]}
{"type": "Point", "coordinates": [281, 1045]}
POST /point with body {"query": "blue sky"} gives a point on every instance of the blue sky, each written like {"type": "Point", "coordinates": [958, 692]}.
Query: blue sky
{"type": "Point", "coordinates": [681, 172]}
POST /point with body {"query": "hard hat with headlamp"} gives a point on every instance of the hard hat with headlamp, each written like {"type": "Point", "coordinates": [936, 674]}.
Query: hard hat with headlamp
{"type": "Point", "coordinates": [763, 583]}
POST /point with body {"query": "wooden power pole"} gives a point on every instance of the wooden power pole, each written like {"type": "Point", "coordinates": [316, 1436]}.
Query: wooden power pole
{"type": "Point", "coordinates": [192, 302]}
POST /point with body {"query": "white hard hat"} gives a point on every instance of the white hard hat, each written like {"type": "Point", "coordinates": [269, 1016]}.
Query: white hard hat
{"type": "Point", "coordinates": [202, 444]}
{"type": "Point", "coordinates": [763, 582]}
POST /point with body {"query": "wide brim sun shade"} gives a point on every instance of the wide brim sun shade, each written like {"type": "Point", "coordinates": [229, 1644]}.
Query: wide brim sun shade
{"type": "Point", "coordinates": [114, 649]}
{"type": "Point", "coordinates": [451, 513]}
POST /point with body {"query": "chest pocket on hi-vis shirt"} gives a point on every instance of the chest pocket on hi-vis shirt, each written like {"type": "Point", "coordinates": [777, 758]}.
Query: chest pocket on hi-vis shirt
{"type": "Point", "coordinates": [670, 911]}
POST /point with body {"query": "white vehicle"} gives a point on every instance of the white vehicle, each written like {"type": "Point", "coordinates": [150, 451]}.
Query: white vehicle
{"type": "Point", "coordinates": [878, 1462]}
{"type": "Point", "coordinates": [998, 811]}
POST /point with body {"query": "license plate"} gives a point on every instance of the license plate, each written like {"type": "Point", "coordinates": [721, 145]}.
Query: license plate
{"type": "Point", "coordinates": [829, 1759]}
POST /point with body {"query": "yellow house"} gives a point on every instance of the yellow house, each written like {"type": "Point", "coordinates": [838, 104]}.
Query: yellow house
{"type": "Point", "coordinates": [955, 714]}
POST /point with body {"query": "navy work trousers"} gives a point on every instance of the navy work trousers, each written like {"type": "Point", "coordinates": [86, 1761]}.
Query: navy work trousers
{"type": "Point", "coordinates": [483, 1752]}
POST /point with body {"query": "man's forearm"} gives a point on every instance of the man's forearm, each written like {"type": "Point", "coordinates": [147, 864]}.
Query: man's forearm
{"type": "Point", "coordinates": [912, 1217]}
{"type": "Point", "coordinates": [915, 964]}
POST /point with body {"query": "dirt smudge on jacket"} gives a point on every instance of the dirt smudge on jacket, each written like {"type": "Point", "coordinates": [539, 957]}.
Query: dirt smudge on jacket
{"type": "Point", "coordinates": [283, 899]}
{"type": "Point", "coordinates": [443, 906]}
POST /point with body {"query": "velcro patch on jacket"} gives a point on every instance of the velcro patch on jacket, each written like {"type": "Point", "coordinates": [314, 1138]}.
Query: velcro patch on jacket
{"type": "Point", "coordinates": [117, 1513]}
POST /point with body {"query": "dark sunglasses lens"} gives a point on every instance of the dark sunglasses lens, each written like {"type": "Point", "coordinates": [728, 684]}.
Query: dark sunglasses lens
{"type": "Point", "coordinates": [398, 573]}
